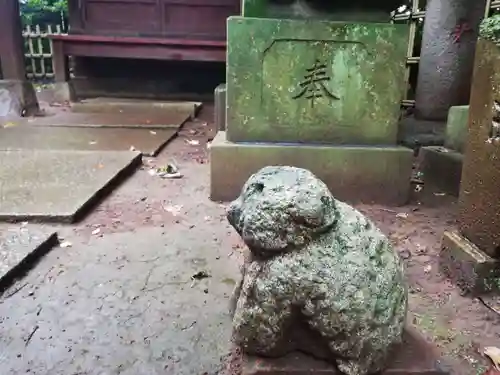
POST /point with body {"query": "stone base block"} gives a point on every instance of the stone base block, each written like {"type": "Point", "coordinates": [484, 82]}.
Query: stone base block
{"type": "Point", "coordinates": [456, 128]}
{"type": "Point", "coordinates": [17, 98]}
{"type": "Point", "coordinates": [354, 174]}
{"type": "Point", "coordinates": [442, 168]}
{"type": "Point", "coordinates": [468, 266]}
{"type": "Point", "coordinates": [64, 92]}
{"type": "Point", "coordinates": [220, 107]}
{"type": "Point", "coordinates": [415, 356]}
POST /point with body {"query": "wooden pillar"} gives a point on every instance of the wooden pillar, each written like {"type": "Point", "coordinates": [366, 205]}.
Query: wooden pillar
{"type": "Point", "coordinates": [447, 56]}
{"type": "Point", "coordinates": [60, 61]}
{"type": "Point", "coordinates": [11, 41]}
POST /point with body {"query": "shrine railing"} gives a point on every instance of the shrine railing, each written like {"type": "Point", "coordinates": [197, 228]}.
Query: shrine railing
{"type": "Point", "coordinates": [38, 51]}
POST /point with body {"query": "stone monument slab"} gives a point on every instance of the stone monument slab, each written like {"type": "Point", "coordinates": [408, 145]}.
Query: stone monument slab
{"type": "Point", "coordinates": [456, 128]}
{"type": "Point", "coordinates": [470, 256]}
{"type": "Point", "coordinates": [343, 82]}
{"type": "Point", "coordinates": [442, 166]}
{"type": "Point", "coordinates": [479, 203]}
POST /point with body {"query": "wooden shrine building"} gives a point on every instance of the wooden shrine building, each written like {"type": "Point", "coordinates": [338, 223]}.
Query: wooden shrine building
{"type": "Point", "coordinates": [106, 39]}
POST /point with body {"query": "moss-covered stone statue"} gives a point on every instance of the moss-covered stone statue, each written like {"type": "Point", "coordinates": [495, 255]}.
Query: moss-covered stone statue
{"type": "Point", "coordinates": [319, 276]}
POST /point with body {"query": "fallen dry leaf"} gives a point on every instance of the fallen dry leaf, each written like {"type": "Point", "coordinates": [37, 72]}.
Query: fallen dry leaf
{"type": "Point", "coordinates": [493, 353]}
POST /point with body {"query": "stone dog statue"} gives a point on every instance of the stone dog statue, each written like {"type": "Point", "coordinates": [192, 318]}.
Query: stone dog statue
{"type": "Point", "coordinates": [319, 276]}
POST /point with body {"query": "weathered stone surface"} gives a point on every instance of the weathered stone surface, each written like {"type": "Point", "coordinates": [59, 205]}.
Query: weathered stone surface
{"type": "Point", "coordinates": [447, 56]}
{"type": "Point", "coordinates": [479, 202]}
{"type": "Point", "coordinates": [17, 98]}
{"type": "Point", "coordinates": [356, 69]}
{"type": "Point", "coordinates": [318, 265]}
{"type": "Point", "coordinates": [416, 133]}
{"type": "Point", "coordinates": [59, 185]}
{"type": "Point", "coordinates": [85, 138]}
{"type": "Point", "coordinates": [19, 248]}
{"type": "Point", "coordinates": [64, 92]}
{"type": "Point", "coordinates": [352, 173]}
{"type": "Point", "coordinates": [442, 168]}
{"type": "Point", "coordinates": [174, 113]}
{"type": "Point", "coordinates": [468, 266]}
{"type": "Point", "coordinates": [220, 107]}
{"type": "Point", "coordinates": [456, 128]}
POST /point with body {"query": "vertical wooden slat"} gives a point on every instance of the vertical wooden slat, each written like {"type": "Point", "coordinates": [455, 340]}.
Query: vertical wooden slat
{"type": "Point", "coordinates": [31, 51]}
{"type": "Point", "coordinates": [411, 44]}
{"type": "Point", "coordinates": [488, 8]}
{"type": "Point", "coordinates": [40, 37]}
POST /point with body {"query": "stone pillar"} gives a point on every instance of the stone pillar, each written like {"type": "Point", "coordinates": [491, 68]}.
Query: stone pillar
{"type": "Point", "coordinates": [447, 56]}
{"type": "Point", "coordinates": [17, 96]}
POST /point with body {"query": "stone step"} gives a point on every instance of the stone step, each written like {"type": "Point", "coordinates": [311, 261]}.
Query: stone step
{"type": "Point", "coordinates": [114, 105]}
{"type": "Point", "coordinates": [149, 142]}
{"type": "Point", "coordinates": [59, 185]}
{"type": "Point", "coordinates": [138, 119]}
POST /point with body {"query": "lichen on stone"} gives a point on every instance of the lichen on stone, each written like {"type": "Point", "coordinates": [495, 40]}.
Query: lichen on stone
{"type": "Point", "coordinates": [319, 276]}
{"type": "Point", "coordinates": [490, 29]}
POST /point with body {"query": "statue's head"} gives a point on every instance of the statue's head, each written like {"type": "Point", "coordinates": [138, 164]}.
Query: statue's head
{"type": "Point", "coordinates": [281, 209]}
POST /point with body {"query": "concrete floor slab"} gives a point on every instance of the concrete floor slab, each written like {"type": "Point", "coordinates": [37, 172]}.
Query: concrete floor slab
{"type": "Point", "coordinates": [19, 249]}
{"type": "Point", "coordinates": [123, 304]}
{"type": "Point", "coordinates": [124, 105]}
{"type": "Point", "coordinates": [58, 186]}
{"type": "Point", "coordinates": [142, 120]}
{"type": "Point", "coordinates": [149, 142]}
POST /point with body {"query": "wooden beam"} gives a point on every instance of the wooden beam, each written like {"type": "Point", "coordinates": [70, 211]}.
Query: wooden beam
{"type": "Point", "coordinates": [11, 41]}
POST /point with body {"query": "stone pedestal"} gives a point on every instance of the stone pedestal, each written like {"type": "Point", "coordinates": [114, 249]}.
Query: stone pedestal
{"type": "Point", "coordinates": [334, 110]}
{"type": "Point", "coordinates": [447, 56]}
{"type": "Point", "coordinates": [64, 92]}
{"type": "Point", "coordinates": [479, 199]}
{"type": "Point", "coordinates": [415, 357]}
{"type": "Point", "coordinates": [17, 98]}
{"type": "Point", "coordinates": [353, 173]}
{"type": "Point", "coordinates": [442, 166]}
{"type": "Point", "coordinates": [468, 266]}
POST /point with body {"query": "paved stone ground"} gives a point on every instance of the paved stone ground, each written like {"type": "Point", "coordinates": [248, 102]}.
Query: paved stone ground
{"type": "Point", "coordinates": [119, 298]}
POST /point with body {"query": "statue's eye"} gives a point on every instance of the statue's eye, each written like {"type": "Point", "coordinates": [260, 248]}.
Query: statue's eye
{"type": "Point", "coordinates": [259, 187]}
